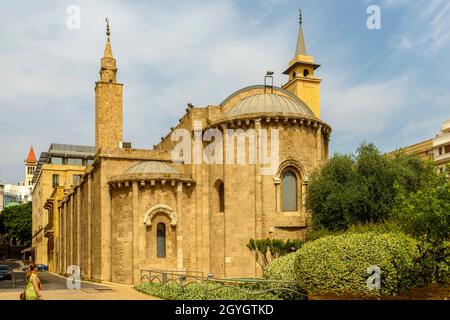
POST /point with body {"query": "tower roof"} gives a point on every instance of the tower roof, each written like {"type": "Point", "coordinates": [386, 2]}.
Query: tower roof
{"type": "Point", "coordinates": [301, 47]}
{"type": "Point", "coordinates": [31, 156]}
{"type": "Point", "coordinates": [108, 50]}
{"type": "Point", "coordinates": [301, 56]}
{"type": "Point", "coordinates": [269, 103]}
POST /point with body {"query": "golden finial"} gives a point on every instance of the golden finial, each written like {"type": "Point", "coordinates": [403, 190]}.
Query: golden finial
{"type": "Point", "coordinates": [107, 27]}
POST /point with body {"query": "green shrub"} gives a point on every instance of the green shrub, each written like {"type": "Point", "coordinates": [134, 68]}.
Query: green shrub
{"type": "Point", "coordinates": [267, 250]}
{"type": "Point", "coordinates": [283, 269]}
{"type": "Point", "coordinates": [338, 264]}
{"type": "Point", "coordinates": [434, 263]}
{"type": "Point", "coordinates": [197, 291]}
{"type": "Point", "coordinates": [385, 227]}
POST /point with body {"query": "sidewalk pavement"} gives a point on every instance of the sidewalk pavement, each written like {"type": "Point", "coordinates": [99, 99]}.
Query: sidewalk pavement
{"type": "Point", "coordinates": [101, 291]}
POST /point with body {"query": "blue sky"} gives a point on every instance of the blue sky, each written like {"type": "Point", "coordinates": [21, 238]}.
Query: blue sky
{"type": "Point", "coordinates": [388, 86]}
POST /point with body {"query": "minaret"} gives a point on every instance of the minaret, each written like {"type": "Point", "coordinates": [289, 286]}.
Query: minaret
{"type": "Point", "coordinates": [108, 101]}
{"type": "Point", "coordinates": [301, 69]}
{"type": "Point", "coordinates": [30, 167]}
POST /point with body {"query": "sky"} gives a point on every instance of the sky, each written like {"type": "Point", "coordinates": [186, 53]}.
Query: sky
{"type": "Point", "coordinates": [389, 86]}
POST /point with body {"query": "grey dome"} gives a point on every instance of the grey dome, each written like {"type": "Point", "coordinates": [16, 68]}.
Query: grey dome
{"type": "Point", "coordinates": [152, 167]}
{"type": "Point", "coordinates": [269, 103]}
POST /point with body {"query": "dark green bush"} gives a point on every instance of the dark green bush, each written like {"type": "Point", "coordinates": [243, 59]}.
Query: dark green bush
{"type": "Point", "coordinates": [434, 263]}
{"type": "Point", "coordinates": [338, 264]}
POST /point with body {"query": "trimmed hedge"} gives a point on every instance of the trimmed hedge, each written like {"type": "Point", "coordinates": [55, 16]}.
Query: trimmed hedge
{"type": "Point", "coordinates": [197, 291]}
{"type": "Point", "coordinates": [283, 269]}
{"type": "Point", "coordinates": [338, 264]}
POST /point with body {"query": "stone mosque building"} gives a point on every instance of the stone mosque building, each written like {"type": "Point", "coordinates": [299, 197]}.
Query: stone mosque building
{"type": "Point", "coordinates": [136, 209]}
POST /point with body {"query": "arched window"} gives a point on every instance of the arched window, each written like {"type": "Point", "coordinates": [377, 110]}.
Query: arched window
{"type": "Point", "coordinates": [289, 191]}
{"type": "Point", "coordinates": [161, 240]}
{"type": "Point", "coordinates": [221, 191]}
{"type": "Point", "coordinates": [305, 73]}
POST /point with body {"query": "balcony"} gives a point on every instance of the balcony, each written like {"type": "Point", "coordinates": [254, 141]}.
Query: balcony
{"type": "Point", "coordinates": [48, 230]}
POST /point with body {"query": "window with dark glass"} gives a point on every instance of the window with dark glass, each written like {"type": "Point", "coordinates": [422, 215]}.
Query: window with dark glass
{"type": "Point", "coordinates": [447, 149]}
{"type": "Point", "coordinates": [221, 191]}
{"type": "Point", "coordinates": [289, 191]}
{"type": "Point", "coordinates": [74, 162]}
{"type": "Point", "coordinates": [56, 160]}
{"type": "Point", "coordinates": [161, 240]}
{"type": "Point", "coordinates": [55, 180]}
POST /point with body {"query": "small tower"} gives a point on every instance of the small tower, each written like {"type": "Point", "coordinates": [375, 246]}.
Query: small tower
{"type": "Point", "coordinates": [108, 101]}
{"type": "Point", "coordinates": [30, 167]}
{"type": "Point", "coordinates": [301, 69]}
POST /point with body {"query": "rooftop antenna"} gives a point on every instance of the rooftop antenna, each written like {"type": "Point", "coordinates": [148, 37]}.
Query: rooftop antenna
{"type": "Point", "coordinates": [269, 75]}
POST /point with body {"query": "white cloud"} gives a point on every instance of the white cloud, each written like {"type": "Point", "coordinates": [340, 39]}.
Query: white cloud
{"type": "Point", "coordinates": [364, 110]}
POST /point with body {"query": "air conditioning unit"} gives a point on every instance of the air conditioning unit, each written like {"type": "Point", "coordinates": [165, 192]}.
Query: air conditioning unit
{"type": "Point", "coordinates": [125, 145]}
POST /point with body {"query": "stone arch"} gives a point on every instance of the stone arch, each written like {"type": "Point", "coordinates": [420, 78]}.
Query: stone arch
{"type": "Point", "coordinates": [160, 209]}
{"type": "Point", "coordinates": [293, 163]}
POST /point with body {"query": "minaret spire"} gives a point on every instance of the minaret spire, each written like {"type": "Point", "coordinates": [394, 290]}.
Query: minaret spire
{"type": "Point", "coordinates": [108, 100]}
{"type": "Point", "coordinates": [302, 81]}
{"type": "Point", "coordinates": [108, 50]}
{"type": "Point", "coordinates": [108, 33]}
{"type": "Point", "coordinates": [108, 68]}
{"type": "Point", "coordinates": [301, 47]}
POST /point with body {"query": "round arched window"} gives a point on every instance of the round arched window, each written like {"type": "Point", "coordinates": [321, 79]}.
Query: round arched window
{"type": "Point", "coordinates": [289, 191]}
{"type": "Point", "coordinates": [161, 240]}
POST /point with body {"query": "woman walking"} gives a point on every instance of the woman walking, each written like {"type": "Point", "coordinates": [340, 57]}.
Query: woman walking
{"type": "Point", "coordinates": [33, 285]}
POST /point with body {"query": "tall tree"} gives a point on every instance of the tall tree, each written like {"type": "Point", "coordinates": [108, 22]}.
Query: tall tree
{"type": "Point", "coordinates": [361, 188]}
{"type": "Point", "coordinates": [17, 222]}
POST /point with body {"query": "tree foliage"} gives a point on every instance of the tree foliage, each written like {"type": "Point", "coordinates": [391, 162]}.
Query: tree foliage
{"type": "Point", "coordinates": [350, 190]}
{"type": "Point", "coordinates": [15, 222]}
{"type": "Point", "coordinates": [266, 250]}
{"type": "Point", "coordinates": [425, 213]}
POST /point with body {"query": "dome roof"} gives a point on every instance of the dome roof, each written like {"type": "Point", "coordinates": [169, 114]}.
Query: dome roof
{"type": "Point", "coordinates": [152, 167]}
{"type": "Point", "coordinates": [270, 103]}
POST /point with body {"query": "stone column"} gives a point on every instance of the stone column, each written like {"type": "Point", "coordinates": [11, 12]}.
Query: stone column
{"type": "Point", "coordinates": [225, 215]}
{"type": "Point", "coordinates": [72, 229]}
{"type": "Point", "coordinates": [89, 229]}
{"type": "Point", "coordinates": [135, 227]}
{"type": "Point", "coordinates": [258, 189]}
{"type": "Point", "coordinates": [319, 144]}
{"type": "Point", "coordinates": [79, 211]}
{"type": "Point", "coordinates": [179, 234]}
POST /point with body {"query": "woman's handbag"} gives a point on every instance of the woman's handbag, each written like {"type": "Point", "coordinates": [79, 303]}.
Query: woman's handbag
{"type": "Point", "coordinates": [23, 296]}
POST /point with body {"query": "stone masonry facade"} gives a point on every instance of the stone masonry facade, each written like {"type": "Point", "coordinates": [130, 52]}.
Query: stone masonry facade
{"type": "Point", "coordinates": [136, 209]}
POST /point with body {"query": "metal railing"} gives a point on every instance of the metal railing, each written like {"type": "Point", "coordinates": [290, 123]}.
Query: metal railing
{"type": "Point", "coordinates": [254, 287]}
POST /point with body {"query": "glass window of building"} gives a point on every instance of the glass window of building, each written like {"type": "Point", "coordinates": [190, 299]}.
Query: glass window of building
{"type": "Point", "coordinates": [289, 191]}
{"type": "Point", "coordinates": [74, 162]}
{"type": "Point", "coordinates": [56, 160]}
{"type": "Point", "coordinates": [55, 180]}
{"type": "Point", "coordinates": [161, 240]}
